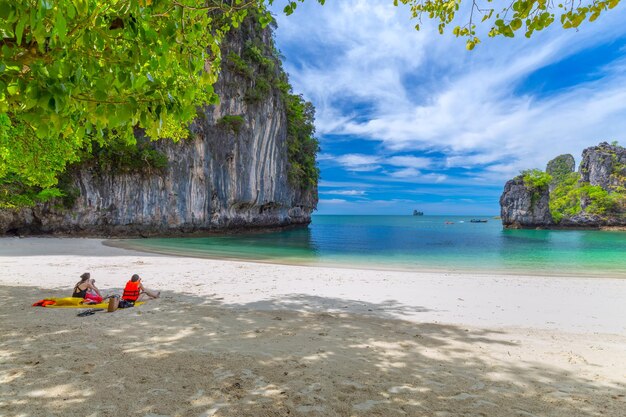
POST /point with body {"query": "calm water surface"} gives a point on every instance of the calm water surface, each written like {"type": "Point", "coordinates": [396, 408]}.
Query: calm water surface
{"type": "Point", "coordinates": [417, 243]}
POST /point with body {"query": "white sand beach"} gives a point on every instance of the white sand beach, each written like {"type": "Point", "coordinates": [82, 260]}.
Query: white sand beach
{"type": "Point", "coordinates": [230, 338]}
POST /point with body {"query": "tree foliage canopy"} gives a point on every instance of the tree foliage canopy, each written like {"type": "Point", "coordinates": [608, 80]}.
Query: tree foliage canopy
{"type": "Point", "coordinates": [527, 15]}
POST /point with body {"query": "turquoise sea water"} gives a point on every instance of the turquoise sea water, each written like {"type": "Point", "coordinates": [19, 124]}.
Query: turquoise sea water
{"type": "Point", "coordinates": [416, 243]}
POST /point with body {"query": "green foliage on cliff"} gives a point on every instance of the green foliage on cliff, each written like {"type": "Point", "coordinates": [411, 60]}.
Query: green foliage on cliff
{"type": "Point", "coordinates": [258, 64]}
{"type": "Point", "coordinates": [536, 179]}
{"type": "Point", "coordinates": [569, 196]}
{"type": "Point", "coordinates": [600, 200]}
{"type": "Point", "coordinates": [301, 142]}
{"type": "Point", "coordinates": [239, 65]}
{"type": "Point", "coordinates": [234, 123]}
{"type": "Point", "coordinates": [566, 200]}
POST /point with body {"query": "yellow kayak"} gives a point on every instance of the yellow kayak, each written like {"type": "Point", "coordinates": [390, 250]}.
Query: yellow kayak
{"type": "Point", "coordinates": [74, 302]}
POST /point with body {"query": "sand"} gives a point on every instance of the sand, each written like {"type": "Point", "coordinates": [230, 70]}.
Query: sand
{"type": "Point", "coordinates": [232, 338]}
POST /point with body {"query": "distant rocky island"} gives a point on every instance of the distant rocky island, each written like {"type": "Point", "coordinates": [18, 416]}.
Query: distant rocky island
{"type": "Point", "coordinates": [561, 197]}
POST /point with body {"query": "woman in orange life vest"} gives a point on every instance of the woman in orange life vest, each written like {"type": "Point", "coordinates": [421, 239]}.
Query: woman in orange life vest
{"type": "Point", "coordinates": [134, 290]}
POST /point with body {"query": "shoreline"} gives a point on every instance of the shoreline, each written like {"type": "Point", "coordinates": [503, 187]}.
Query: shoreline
{"type": "Point", "coordinates": [124, 244]}
{"type": "Point", "coordinates": [242, 339]}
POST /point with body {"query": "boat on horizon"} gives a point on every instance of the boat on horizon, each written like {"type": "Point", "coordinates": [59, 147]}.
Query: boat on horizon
{"type": "Point", "coordinates": [418, 213]}
{"type": "Point", "coordinates": [478, 221]}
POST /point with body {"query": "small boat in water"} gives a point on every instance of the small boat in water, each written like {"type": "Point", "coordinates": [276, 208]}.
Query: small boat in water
{"type": "Point", "coordinates": [478, 221]}
{"type": "Point", "coordinates": [448, 222]}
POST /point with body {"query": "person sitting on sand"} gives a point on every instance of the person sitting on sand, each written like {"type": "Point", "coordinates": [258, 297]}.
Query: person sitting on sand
{"type": "Point", "coordinates": [87, 289]}
{"type": "Point", "coordinates": [92, 295]}
{"type": "Point", "coordinates": [134, 290]}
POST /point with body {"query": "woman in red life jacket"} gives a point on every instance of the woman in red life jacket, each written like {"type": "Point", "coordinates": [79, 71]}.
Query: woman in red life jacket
{"type": "Point", "coordinates": [134, 290]}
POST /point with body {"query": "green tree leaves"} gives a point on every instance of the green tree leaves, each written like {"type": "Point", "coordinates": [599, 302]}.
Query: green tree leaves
{"type": "Point", "coordinates": [527, 15]}
{"type": "Point", "coordinates": [291, 6]}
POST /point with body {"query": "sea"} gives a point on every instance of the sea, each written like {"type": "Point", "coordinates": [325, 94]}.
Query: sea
{"type": "Point", "coordinates": [415, 243]}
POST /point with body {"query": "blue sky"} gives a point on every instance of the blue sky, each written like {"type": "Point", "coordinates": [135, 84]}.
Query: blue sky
{"type": "Point", "coordinates": [411, 120]}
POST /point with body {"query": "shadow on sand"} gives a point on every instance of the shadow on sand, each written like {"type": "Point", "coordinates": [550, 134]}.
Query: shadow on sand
{"type": "Point", "coordinates": [189, 356]}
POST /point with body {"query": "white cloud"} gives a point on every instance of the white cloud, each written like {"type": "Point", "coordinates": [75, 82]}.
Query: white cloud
{"type": "Point", "coordinates": [356, 162]}
{"type": "Point", "coordinates": [360, 44]}
{"type": "Point", "coordinates": [409, 161]}
{"type": "Point", "coordinates": [412, 176]}
{"type": "Point", "coordinates": [345, 192]}
{"type": "Point", "coordinates": [425, 93]}
{"type": "Point", "coordinates": [406, 173]}
{"type": "Point", "coordinates": [332, 201]}
{"type": "Point", "coordinates": [325, 157]}
{"type": "Point", "coordinates": [456, 191]}
{"type": "Point", "coordinates": [468, 161]}
{"type": "Point", "coordinates": [354, 159]}
{"type": "Point", "coordinates": [365, 163]}
{"type": "Point", "coordinates": [341, 184]}
{"type": "Point", "coordinates": [436, 178]}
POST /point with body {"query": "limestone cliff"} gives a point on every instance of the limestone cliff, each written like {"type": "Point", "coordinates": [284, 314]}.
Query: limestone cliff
{"type": "Point", "coordinates": [233, 172]}
{"type": "Point", "coordinates": [522, 206]}
{"type": "Point", "coordinates": [593, 197]}
{"type": "Point", "coordinates": [605, 166]}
